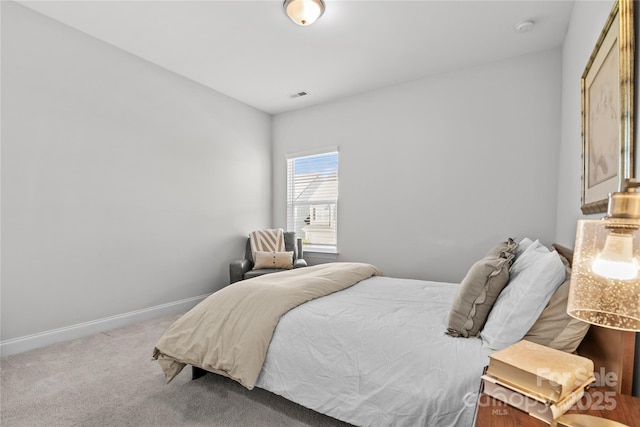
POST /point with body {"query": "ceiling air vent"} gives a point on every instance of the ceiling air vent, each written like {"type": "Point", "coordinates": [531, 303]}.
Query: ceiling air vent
{"type": "Point", "coordinates": [298, 94]}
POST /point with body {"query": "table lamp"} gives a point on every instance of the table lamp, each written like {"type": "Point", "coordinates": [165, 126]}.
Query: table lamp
{"type": "Point", "coordinates": [605, 276]}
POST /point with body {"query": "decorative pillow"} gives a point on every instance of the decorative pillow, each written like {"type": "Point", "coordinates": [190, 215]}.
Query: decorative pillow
{"type": "Point", "coordinates": [282, 260]}
{"type": "Point", "coordinates": [534, 277]}
{"type": "Point", "coordinates": [503, 249]}
{"type": "Point", "coordinates": [555, 328]}
{"type": "Point", "coordinates": [476, 295]}
{"type": "Point", "coordinates": [522, 246]}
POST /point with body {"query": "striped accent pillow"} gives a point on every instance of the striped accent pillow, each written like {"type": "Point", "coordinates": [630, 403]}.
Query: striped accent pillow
{"type": "Point", "coordinates": [268, 240]}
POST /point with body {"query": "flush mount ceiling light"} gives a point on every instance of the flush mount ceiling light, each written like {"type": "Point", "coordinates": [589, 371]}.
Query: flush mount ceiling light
{"type": "Point", "coordinates": [304, 12]}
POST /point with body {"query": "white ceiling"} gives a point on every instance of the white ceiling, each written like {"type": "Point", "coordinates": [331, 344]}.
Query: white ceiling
{"type": "Point", "coordinates": [250, 50]}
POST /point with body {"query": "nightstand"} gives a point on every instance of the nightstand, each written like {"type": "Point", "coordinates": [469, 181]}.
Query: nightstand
{"type": "Point", "coordinates": [605, 404]}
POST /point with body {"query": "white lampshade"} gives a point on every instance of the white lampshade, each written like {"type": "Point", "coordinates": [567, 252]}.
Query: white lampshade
{"type": "Point", "coordinates": [304, 12]}
{"type": "Point", "coordinates": [605, 282]}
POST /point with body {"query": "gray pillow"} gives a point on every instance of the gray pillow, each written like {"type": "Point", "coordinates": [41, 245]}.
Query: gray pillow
{"type": "Point", "coordinates": [504, 250]}
{"type": "Point", "coordinates": [555, 328]}
{"type": "Point", "coordinates": [476, 295]}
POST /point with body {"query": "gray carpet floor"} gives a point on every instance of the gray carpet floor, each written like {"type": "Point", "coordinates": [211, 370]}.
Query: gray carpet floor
{"type": "Point", "coordinates": [109, 379]}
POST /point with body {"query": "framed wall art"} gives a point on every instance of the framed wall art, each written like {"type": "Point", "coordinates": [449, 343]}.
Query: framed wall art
{"type": "Point", "coordinates": [607, 110]}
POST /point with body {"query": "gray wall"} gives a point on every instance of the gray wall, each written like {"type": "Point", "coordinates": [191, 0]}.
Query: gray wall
{"type": "Point", "coordinates": [435, 171]}
{"type": "Point", "coordinates": [124, 186]}
{"type": "Point", "coordinates": [587, 21]}
{"type": "Point", "coordinates": [585, 26]}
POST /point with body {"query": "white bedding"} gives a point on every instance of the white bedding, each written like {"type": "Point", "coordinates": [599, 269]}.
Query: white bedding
{"type": "Point", "coordinates": [376, 354]}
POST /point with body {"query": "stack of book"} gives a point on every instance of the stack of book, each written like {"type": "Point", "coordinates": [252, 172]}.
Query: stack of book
{"type": "Point", "coordinates": [539, 380]}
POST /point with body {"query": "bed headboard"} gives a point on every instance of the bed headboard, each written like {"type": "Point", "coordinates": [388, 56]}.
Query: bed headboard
{"type": "Point", "coordinates": [610, 349]}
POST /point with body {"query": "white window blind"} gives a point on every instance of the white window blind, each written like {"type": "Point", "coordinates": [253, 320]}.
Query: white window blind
{"type": "Point", "coordinates": [312, 200]}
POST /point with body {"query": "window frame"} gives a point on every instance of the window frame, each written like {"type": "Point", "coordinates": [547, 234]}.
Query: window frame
{"type": "Point", "coordinates": [325, 250]}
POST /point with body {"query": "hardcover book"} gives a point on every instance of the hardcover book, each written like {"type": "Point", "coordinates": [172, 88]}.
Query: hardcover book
{"type": "Point", "coordinates": [529, 403]}
{"type": "Point", "coordinates": [543, 372]}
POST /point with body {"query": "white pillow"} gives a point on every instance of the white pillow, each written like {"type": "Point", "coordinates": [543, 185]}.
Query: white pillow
{"type": "Point", "coordinates": [534, 277]}
{"type": "Point", "coordinates": [522, 246]}
{"type": "Point", "coordinates": [528, 255]}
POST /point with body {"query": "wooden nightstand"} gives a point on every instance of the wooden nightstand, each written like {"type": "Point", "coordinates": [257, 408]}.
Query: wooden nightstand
{"type": "Point", "coordinates": [605, 404]}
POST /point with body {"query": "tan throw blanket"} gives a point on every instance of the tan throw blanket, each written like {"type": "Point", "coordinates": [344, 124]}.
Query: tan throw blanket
{"type": "Point", "coordinates": [269, 240]}
{"type": "Point", "coordinates": [229, 332]}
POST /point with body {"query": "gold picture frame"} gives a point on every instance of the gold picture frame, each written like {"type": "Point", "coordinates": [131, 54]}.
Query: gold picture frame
{"type": "Point", "coordinates": [607, 87]}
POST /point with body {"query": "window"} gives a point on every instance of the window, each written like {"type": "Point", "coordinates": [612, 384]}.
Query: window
{"type": "Point", "coordinates": [312, 200]}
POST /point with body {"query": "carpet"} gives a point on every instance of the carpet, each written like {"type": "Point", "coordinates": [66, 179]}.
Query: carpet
{"type": "Point", "coordinates": [109, 379]}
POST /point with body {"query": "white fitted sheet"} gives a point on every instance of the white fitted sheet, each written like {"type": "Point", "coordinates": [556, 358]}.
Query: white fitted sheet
{"type": "Point", "coordinates": [376, 354]}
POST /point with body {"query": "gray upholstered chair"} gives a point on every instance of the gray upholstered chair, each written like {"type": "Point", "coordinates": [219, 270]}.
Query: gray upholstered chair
{"type": "Point", "coordinates": [241, 269]}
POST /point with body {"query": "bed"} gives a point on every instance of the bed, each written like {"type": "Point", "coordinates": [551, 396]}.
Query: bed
{"type": "Point", "coordinates": [371, 350]}
{"type": "Point", "coordinates": [381, 365]}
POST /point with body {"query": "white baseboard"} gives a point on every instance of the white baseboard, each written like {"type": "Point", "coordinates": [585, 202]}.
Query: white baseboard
{"type": "Point", "coordinates": [31, 342]}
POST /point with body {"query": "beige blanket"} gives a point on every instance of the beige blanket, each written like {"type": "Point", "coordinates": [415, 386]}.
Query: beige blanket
{"type": "Point", "coordinates": [270, 240]}
{"type": "Point", "coordinates": [229, 332]}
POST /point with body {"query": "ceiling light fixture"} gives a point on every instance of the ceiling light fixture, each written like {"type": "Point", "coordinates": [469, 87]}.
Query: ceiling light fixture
{"type": "Point", "coordinates": [304, 12]}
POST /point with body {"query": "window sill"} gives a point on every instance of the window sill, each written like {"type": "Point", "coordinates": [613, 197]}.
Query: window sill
{"type": "Point", "coordinates": [320, 255]}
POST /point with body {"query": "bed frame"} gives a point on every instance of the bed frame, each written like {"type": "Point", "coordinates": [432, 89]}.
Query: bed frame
{"type": "Point", "coordinates": [612, 350]}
